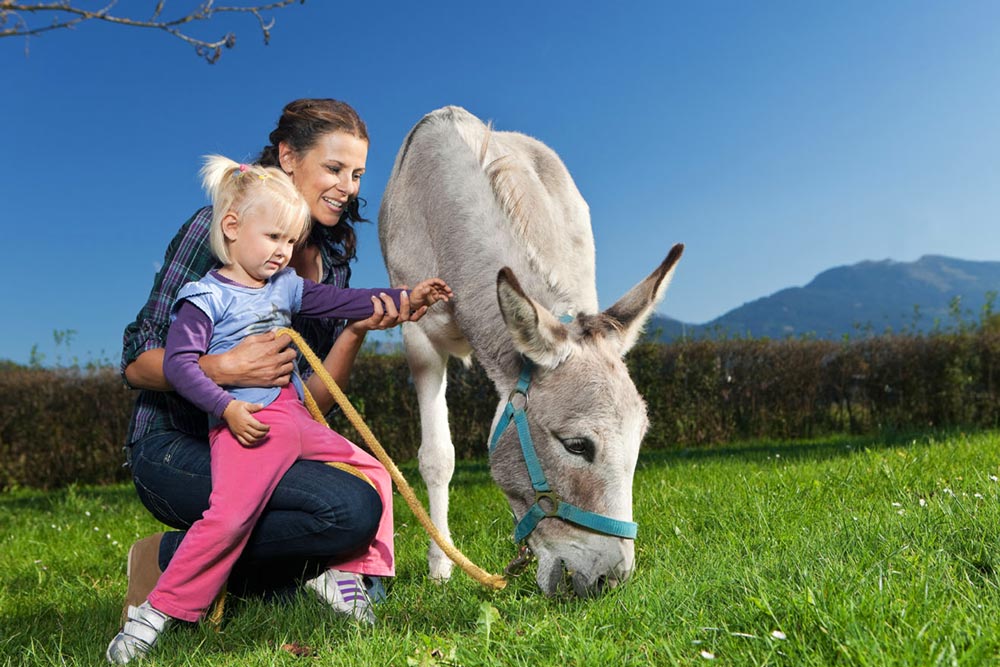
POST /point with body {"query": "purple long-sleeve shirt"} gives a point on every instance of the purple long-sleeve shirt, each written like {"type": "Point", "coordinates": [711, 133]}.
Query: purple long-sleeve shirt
{"type": "Point", "coordinates": [222, 314]}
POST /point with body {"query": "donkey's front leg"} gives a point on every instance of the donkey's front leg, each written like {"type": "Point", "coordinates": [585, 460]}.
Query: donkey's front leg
{"type": "Point", "coordinates": [437, 453]}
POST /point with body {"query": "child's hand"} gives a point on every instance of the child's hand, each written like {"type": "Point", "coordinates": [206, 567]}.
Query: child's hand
{"type": "Point", "coordinates": [428, 292]}
{"type": "Point", "coordinates": [238, 416]}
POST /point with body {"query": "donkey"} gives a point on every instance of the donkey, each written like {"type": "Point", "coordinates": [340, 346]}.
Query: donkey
{"type": "Point", "coordinates": [497, 215]}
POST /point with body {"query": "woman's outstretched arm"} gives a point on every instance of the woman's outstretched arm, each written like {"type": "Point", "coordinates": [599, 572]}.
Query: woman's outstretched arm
{"type": "Point", "coordinates": [340, 360]}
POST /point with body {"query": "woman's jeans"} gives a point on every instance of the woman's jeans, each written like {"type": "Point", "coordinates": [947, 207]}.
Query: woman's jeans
{"type": "Point", "coordinates": [316, 516]}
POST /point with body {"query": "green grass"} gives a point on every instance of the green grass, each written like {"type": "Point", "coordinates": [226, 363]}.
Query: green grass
{"type": "Point", "coordinates": [846, 551]}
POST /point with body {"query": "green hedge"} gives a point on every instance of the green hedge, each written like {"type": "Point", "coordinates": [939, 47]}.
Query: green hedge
{"type": "Point", "coordinates": [63, 426]}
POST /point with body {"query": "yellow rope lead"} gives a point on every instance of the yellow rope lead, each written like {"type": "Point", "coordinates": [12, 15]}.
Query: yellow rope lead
{"type": "Point", "coordinates": [491, 580]}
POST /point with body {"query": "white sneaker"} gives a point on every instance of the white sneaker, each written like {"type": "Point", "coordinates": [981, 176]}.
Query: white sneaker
{"type": "Point", "coordinates": [345, 592]}
{"type": "Point", "coordinates": [139, 635]}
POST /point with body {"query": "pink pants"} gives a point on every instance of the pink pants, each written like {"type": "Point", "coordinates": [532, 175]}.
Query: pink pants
{"type": "Point", "coordinates": [243, 479]}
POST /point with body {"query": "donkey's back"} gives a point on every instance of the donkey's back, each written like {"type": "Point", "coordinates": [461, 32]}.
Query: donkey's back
{"type": "Point", "coordinates": [465, 200]}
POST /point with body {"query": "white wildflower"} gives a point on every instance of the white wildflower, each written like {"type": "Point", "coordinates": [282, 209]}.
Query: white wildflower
{"type": "Point", "coordinates": [677, 531]}
{"type": "Point", "coordinates": [949, 492]}
{"type": "Point", "coordinates": [978, 495]}
{"type": "Point", "coordinates": [897, 505]}
{"type": "Point", "coordinates": [708, 655]}
{"type": "Point", "coordinates": [993, 478]}
{"type": "Point", "coordinates": [87, 513]}
{"type": "Point", "coordinates": [923, 503]}
{"type": "Point", "coordinates": [778, 634]}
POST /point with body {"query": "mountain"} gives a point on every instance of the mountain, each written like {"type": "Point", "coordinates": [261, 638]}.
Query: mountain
{"type": "Point", "coordinates": [868, 297]}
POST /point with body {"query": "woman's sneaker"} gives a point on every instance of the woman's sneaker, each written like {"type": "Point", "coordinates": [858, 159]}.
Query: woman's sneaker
{"type": "Point", "coordinates": [139, 635]}
{"type": "Point", "coordinates": [143, 571]}
{"type": "Point", "coordinates": [346, 593]}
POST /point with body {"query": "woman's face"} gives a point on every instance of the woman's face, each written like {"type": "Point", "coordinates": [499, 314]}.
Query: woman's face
{"type": "Point", "coordinates": [328, 174]}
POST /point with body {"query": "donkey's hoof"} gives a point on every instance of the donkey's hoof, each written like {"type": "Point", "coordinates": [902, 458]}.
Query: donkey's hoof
{"type": "Point", "coordinates": [440, 570]}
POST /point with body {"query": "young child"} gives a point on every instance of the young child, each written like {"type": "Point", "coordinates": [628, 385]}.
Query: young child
{"type": "Point", "coordinates": [256, 433]}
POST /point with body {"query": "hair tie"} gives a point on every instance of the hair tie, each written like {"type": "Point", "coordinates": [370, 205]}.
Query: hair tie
{"type": "Point", "coordinates": [244, 168]}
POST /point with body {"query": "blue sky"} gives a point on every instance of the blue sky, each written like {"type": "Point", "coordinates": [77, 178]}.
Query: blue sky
{"type": "Point", "coordinates": [775, 139]}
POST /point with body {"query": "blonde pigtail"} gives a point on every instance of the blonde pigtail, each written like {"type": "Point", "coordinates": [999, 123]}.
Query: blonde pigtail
{"type": "Point", "coordinates": [216, 179]}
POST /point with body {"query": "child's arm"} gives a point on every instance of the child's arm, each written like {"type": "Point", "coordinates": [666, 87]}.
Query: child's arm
{"type": "Point", "coordinates": [187, 340]}
{"type": "Point", "coordinates": [349, 303]}
{"type": "Point", "coordinates": [319, 300]}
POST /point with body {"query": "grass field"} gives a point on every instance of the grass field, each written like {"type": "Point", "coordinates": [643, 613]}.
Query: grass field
{"type": "Point", "coordinates": [841, 551]}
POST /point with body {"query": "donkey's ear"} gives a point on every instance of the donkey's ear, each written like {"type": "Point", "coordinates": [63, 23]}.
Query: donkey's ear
{"type": "Point", "coordinates": [536, 332]}
{"type": "Point", "coordinates": [629, 314]}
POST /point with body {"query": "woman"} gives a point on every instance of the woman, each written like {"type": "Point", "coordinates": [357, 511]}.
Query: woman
{"type": "Point", "coordinates": [318, 514]}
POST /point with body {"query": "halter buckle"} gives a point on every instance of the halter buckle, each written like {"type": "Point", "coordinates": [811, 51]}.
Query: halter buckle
{"type": "Point", "coordinates": [516, 391]}
{"type": "Point", "coordinates": [551, 498]}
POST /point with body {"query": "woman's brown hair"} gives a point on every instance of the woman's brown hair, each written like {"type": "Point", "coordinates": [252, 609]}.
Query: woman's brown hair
{"type": "Point", "coordinates": [301, 125]}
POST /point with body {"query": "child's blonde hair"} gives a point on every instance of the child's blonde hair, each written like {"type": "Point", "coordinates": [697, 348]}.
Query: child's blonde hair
{"type": "Point", "coordinates": [239, 187]}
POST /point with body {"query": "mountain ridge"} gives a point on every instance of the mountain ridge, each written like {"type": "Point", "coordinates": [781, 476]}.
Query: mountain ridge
{"type": "Point", "coordinates": [866, 298]}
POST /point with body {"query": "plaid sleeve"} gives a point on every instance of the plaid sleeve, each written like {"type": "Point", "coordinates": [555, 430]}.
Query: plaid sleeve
{"type": "Point", "coordinates": [188, 257]}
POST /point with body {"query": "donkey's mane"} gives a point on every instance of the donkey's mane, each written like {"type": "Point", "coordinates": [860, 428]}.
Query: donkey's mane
{"type": "Point", "coordinates": [507, 180]}
{"type": "Point", "coordinates": [515, 181]}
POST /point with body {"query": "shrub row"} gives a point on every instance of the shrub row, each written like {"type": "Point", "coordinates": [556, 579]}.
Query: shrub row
{"type": "Point", "coordinates": [63, 426]}
{"type": "Point", "coordinates": [718, 391]}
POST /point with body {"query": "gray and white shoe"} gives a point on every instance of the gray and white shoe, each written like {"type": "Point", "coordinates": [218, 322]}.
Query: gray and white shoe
{"type": "Point", "coordinates": [346, 594]}
{"type": "Point", "coordinates": [139, 635]}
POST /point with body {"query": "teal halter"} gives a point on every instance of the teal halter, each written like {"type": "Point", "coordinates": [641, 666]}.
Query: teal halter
{"type": "Point", "coordinates": [553, 506]}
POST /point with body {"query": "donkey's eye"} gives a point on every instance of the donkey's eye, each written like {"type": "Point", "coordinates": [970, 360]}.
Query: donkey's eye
{"type": "Point", "coordinates": [579, 447]}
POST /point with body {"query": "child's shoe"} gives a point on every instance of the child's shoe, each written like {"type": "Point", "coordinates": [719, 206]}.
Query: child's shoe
{"type": "Point", "coordinates": [139, 635]}
{"type": "Point", "coordinates": [345, 592]}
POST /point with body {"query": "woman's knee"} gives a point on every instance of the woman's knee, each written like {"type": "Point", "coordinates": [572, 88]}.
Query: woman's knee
{"type": "Point", "coordinates": [333, 504]}
{"type": "Point", "coordinates": [355, 523]}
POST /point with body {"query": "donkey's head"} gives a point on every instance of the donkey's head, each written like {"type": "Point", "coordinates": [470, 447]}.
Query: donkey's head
{"type": "Point", "coordinates": [585, 421]}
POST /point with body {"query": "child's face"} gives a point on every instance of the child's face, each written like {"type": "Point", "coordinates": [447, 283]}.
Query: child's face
{"type": "Point", "coordinates": [328, 174]}
{"type": "Point", "coordinates": [260, 244]}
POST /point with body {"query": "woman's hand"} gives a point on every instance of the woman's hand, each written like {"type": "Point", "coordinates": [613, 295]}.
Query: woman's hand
{"type": "Point", "coordinates": [238, 416]}
{"type": "Point", "coordinates": [261, 360]}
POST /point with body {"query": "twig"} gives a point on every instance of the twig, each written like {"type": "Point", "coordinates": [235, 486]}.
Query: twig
{"type": "Point", "coordinates": [13, 21]}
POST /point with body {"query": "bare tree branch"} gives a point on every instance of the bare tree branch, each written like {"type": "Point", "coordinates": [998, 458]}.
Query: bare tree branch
{"type": "Point", "coordinates": [25, 19]}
